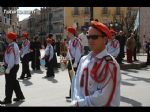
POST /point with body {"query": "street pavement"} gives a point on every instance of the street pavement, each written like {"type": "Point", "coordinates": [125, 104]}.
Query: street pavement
{"type": "Point", "coordinates": [40, 91]}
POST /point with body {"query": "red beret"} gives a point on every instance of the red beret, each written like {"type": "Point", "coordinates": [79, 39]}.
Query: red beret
{"type": "Point", "coordinates": [71, 30]}
{"type": "Point", "coordinates": [101, 27]}
{"type": "Point", "coordinates": [49, 40]}
{"type": "Point", "coordinates": [25, 34]}
{"type": "Point", "coordinates": [112, 32]}
{"type": "Point", "coordinates": [11, 35]}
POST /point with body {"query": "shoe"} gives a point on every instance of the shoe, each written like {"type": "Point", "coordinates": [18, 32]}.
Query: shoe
{"type": "Point", "coordinates": [28, 77]}
{"type": "Point", "coordinates": [46, 76]}
{"type": "Point", "coordinates": [5, 102]}
{"type": "Point", "coordinates": [21, 78]}
{"type": "Point", "coordinates": [68, 97]}
{"type": "Point", "coordinates": [18, 99]}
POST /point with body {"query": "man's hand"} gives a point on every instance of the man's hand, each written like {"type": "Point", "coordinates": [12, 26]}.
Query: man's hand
{"type": "Point", "coordinates": [75, 65]}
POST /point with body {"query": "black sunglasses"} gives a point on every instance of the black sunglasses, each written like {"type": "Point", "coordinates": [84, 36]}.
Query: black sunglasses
{"type": "Point", "coordinates": [94, 37]}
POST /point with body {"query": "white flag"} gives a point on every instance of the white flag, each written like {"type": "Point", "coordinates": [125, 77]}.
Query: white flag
{"type": "Point", "coordinates": [136, 23]}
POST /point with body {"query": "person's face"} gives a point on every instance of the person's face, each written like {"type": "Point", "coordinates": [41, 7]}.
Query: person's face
{"type": "Point", "coordinates": [69, 35]}
{"type": "Point", "coordinates": [95, 40]}
{"type": "Point", "coordinates": [8, 40]}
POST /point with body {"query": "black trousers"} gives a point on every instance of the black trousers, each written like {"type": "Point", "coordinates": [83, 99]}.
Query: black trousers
{"type": "Point", "coordinates": [35, 63]}
{"type": "Point", "coordinates": [50, 68]}
{"type": "Point", "coordinates": [12, 84]}
{"type": "Point", "coordinates": [25, 66]}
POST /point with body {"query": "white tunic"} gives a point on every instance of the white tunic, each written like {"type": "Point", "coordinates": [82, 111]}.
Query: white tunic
{"type": "Point", "coordinates": [49, 51]}
{"type": "Point", "coordinates": [11, 56]}
{"type": "Point", "coordinates": [97, 93]}
{"type": "Point", "coordinates": [113, 47]}
{"type": "Point", "coordinates": [75, 49]}
{"type": "Point", "coordinates": [84, 39]}
{"type": "Point", "coordinates": [25, 48]}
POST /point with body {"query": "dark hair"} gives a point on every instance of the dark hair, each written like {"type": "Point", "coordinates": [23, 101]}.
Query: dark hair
{"type": "Point", "coordinates": [50, 35]}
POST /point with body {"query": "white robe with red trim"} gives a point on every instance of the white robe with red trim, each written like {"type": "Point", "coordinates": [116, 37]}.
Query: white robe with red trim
{"type": "Point", "coordinates": [75, 49]}
{"type": "Point", "coordinates": [113, 47]}
{"type": "Point", "coordinates": [90, 92]}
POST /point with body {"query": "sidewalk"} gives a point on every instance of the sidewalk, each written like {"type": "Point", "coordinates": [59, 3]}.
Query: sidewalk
{"type": "Point", "coordinates": [141, 57]}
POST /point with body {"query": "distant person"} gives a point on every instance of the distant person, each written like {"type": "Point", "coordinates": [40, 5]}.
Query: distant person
{"type": "Point", "coordinates": [113, 45]}
{"type": "Point", "coordinates": [84, 40]}
{"type": "Point", "coordinates": [49, 55]}
{"type": "Point", "coordinates": [148, 52]}
{"type": "Point", "coordinates": [130, 44]}
{"type": "Point", "coordinates": [25, 56]}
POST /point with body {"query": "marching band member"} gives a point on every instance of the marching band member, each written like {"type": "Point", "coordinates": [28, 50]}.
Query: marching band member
{"type": "Point", "coordinates": [25, 50]}
{"type": "Point", "coordinates": [97, 79]}
{"type": "Point", "coordinates": [11, 63]}
{"type": "Point", "coordinates": [113, 46]}
{"type": "Point", "coordinates": [75, 51]}
{"type": "Point", "coordinates": [49, 54]}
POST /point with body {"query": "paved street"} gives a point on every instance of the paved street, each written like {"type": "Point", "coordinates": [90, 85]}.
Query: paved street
{"type": "Point", "coordinates": [39, 91]}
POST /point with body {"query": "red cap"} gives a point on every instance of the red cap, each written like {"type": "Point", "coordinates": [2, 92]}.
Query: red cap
{"type": "Point", "coordinates": [11, 35]}
{"type": "Point", "coordinates": [112, 32]}
{"type": "Point", "coordinates": [101, 27]}
{"type": "Point", "coordinates": [25, 34]}
{"type": "Point", "coordinates": [71, 30]}
{"type": "Point", "coordinates": [49, 40]}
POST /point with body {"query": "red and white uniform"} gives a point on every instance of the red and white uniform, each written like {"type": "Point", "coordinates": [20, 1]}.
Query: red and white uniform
{"type": "Point", "coordinates": [75, 49]}
{"type": "Point", "coordinates": [11, 56]}
{"type": "Point", "coordinates": [97, 81]}
{"type": "Point", "coordinates": [113, 47]}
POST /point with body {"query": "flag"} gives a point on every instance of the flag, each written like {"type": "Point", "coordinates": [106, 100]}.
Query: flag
{"type": "Point", "coordinates": [136, 23]}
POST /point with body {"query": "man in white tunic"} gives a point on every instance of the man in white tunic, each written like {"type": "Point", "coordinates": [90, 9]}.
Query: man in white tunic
{"type": "Point", "coordinates": [113, 46]}
{"type": "Point", "coordinates": [97, 80]}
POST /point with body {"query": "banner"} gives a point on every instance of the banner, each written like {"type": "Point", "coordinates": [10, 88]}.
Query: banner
{"type": "Point", "coordinates": [136, 23]}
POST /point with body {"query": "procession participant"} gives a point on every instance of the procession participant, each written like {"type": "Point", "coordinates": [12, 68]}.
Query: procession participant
{"type": "Point", "coordinates": [11, 63]}
{"type": "Point", "coordinates": [49, 54]}
{"type": "Point", "coordinates": [148, 51]}
{"type": "Point", "coordinates": [97, 80]}
{"type": "Point", "coordinates": [113, 46]}
{"type": "Point", "coordinates": [75, 50]}
{"type": "Point", "coordinates": [130, 45]}
{"type": "Point", "coordinates": [35, 48]}
{"type": "Point", "coordinates": [24, 53]}
{"type": "Point", "coordinates": [84, 40]}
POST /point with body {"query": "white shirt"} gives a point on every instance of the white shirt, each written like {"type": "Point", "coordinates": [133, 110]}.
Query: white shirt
{"type": "Point", "coordinates": [75, 50]}
{"type": "Point", "coordinates": [49, 51]}
{"type": "Point", "coordinates": [25, 48]}
{"type": "Point", "coordinates": [11, 56]}
{"type": "Point", "coordinates": [98, 93]}
{"type": "Point", "coordinates": [113, 47]}
{"type": "Point", "coordinates": [84, 39]}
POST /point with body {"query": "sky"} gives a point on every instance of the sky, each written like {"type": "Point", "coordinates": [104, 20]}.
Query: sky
{"type": "Point", "coordinates": [23, 12]}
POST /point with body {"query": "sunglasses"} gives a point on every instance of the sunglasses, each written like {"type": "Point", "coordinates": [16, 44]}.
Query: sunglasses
{"type": "Point", "coordinates": [93, 37]}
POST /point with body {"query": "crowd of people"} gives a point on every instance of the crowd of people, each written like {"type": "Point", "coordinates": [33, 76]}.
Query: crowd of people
{"type": "Point", "coordinates": [92, 59]}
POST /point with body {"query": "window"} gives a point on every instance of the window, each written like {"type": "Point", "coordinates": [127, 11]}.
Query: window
{"type": "Point", "coordinates": [105, 10]}
{"type": "Point", "coordinates": [87, 10]}
{"type": "Point", "coordinates": [76, 11]}
{"type": "Point", "coordinates": [118, 11]}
